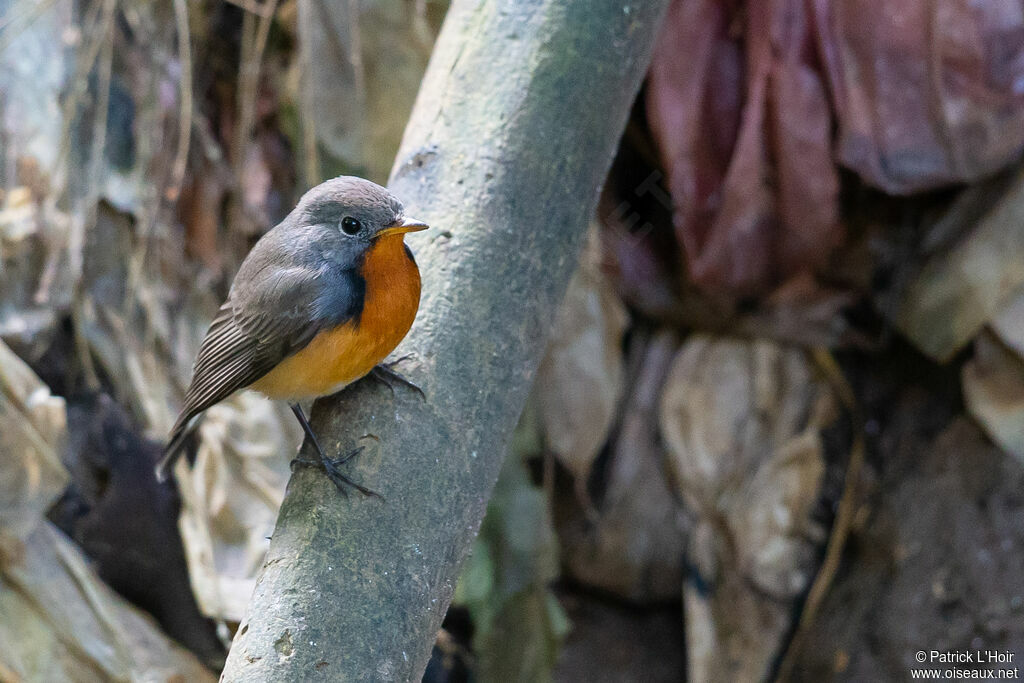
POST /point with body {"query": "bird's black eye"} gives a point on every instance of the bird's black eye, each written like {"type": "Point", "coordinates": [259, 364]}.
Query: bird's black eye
{"type": "Point", "coordinates": [350, 225]}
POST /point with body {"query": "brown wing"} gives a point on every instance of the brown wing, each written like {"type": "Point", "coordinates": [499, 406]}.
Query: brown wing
{"type": "Point", "coordinates": [236, 352]}
{"type": "Point", "coordinates": [276, 315]}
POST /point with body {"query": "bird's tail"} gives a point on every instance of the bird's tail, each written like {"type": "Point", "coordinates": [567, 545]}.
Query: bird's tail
{"type": "Point", "coordinates": [175, 447]}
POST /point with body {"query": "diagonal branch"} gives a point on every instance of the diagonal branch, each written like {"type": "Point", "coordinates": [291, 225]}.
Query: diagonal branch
{"type": "Point", "coordinates": [511, 137]}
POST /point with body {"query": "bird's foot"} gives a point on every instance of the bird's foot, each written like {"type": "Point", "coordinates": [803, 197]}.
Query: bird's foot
{"type": "Point", "coordinates": [386, 374]}
{"type": "Point", "coordinates": [331, 467]}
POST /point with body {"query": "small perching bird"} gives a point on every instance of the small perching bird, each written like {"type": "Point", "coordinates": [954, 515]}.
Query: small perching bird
{"type": "Point", "coordinates": [320, 300]}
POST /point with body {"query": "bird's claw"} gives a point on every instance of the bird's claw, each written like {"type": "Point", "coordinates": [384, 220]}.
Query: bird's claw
{"type": "Point", "coordinates": [385, 374]}
{"type": "Point", "coordinates": [330, 467]}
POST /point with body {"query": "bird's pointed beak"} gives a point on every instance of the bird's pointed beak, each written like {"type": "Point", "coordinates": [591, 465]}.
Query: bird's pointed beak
{"type": "Point", "coordinates": [403, 226]}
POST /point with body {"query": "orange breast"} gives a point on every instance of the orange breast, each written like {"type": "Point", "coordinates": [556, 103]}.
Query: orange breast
{"type": "Point", "coordinates": [337, 357]}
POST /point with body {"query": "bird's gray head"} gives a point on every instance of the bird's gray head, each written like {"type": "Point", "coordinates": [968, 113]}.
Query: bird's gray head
{"type": "Point", "coordinates": [345, 215]}
{"type": "Point", "coordinates": [356, 207]}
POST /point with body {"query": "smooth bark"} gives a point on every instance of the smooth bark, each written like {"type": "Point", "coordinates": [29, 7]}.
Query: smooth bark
{"type": "Point", "coordinates": [509, 142]}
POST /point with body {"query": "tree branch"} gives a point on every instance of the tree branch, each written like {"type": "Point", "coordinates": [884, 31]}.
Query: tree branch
{"type": "Point", "coordinates": [510, 140]}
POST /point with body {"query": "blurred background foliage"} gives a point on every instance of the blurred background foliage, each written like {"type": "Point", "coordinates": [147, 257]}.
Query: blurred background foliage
{"type": "Point", "coordinates": [779, 429]}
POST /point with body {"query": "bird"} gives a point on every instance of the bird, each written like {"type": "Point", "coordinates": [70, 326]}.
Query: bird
{"type": "Point", "coordinates": [318, 303]}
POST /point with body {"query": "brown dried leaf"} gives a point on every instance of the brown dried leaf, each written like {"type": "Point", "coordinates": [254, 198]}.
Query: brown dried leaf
{"type": "Point", "coordinates": [230, 498]}
{"type": "Point", "coordinates": [580, 380]}
{"type": "Point", "coordinates": [993, 382]}
{"type": "Point", "coordinates": [200, 206]}
{"type": "Point", "coordinates": [634, 547]}
{"type": "Point", "coordinates": [742, 424]}
{"type": "Point", "coordinates": [639, 259]}
{"type": "Point", "coordinates": [808, 185]}
{"type": "Point", "coordinates": [918, 109]}
{"type": "Point", "coordinates": [755, 190]}
{"type": "Point", "coordinates": [961, 288]}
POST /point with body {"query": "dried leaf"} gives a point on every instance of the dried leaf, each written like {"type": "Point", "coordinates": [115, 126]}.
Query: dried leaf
{"type": "Point", "coordinates": [62, 624]}
{"type": "Point", "coordinates": [579, 382]}
{"type": "Point", "coordinates": [993, 382]}
{"type": "Point", "coordinates": [808, 185]}
{"type": "Point", "coordinates": [742, 424]}
{"type": "Point", "coordinates": [961, 288]}
{"type": "Point", "coordinates": [32, 77]}
{"type": "Point", "coordinates": [743, 223]}
{"type": "Point", "coordinates": [230, 498]}
{"type": "Point", "coordinates": [634, 546]}
{"type": "Point", "coordinates": [1009, 325]}
{"type": "Point", "coordinates": [640, 258]}
{"type": "Point", "coordinates": [362, 62]}
{"type": "Point", "coordinates": [33, 427]}
{"type": "Point", "coordinates": [918, 109]}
